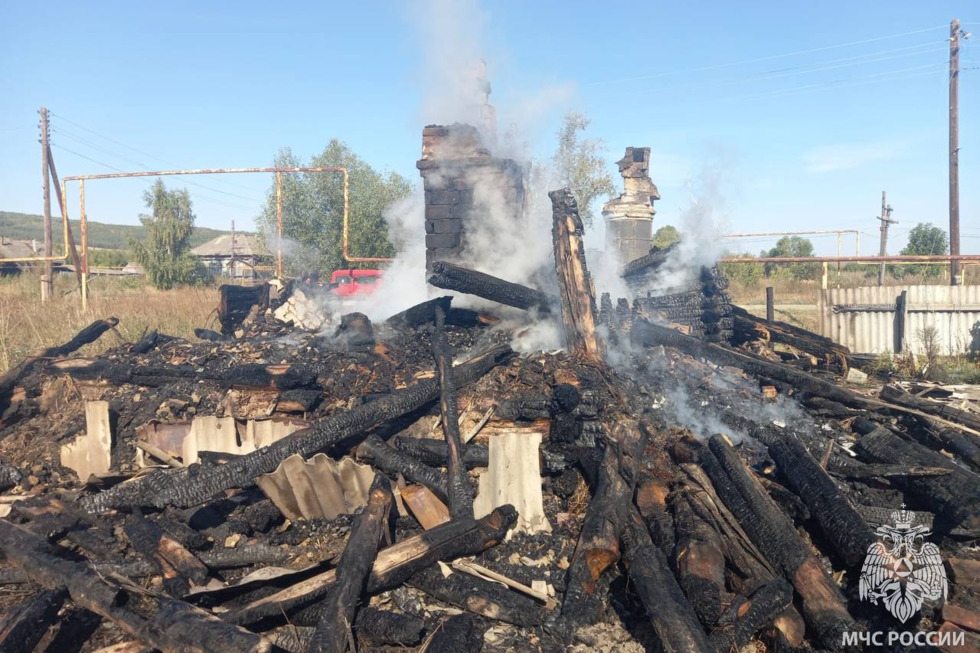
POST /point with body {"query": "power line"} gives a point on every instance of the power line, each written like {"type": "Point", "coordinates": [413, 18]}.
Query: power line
{"type": "Point", "coordinates": [102, 149]}
{"type": "Point", "coordinates": [786, 73]}
{"type": "Point", "coordinates": [139, 151]}
{"type": "Point", "coordinates": [766, 58]}
{"type": "Point", "coordinates": [104, 165]}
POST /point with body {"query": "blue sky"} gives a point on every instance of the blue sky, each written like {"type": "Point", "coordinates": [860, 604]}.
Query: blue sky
{"type": "Point", "coordinates": [786, 115]}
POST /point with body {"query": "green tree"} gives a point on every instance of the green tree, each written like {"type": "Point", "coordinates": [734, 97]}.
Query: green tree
{"type": "Point", "coordinates": [924, 240]}
{"type": "Point", "coordinates": [795, 247]}
{"type": "Point", "coordinates": [666, 236]}
{"type": "Point", "coordinates": [313, 210]}
{"type": "Point", "coordinates": [164, 253]}
{"type": "Point", "coordinates": [746, 274]}
{"type": "Point", "coordinates": [580, 165]}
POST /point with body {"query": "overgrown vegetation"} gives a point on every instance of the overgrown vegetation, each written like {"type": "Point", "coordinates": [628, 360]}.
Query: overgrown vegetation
{"type": "Point", "coordinates": [312, 206]}
{"type": "Point", "coordinates": [27, 325]}
{"type": "Point", "coordinates": [796, 247]}
{"type": "Point", "coordinates": [165, 252]}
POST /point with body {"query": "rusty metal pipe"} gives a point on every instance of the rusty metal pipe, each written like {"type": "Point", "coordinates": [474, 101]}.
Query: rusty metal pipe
{"type": "Point", "coordinates": [870, 260]}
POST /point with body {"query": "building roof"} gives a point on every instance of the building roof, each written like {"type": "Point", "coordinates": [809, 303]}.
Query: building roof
{"type": "Point", "coordinates": [10, 248]}
{"type": "Point", "coordinates": [245, 245]}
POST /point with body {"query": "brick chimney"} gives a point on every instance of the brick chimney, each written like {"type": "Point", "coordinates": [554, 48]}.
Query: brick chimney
{"type": "Point", "coordinates": [454, 166]}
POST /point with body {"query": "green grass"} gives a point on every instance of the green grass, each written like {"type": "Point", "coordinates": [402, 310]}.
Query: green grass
{"type": "Point", "coordinates": [25, 226]}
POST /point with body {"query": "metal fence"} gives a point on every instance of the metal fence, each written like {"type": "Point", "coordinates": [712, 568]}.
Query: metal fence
{"type": "Point", "coordinates": [893, 318]}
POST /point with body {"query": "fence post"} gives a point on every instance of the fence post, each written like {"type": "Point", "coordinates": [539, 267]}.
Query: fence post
{"type": "Point", "coordinates": [770, 305]}
{"type": "Point", "coordinates": [901, 322]}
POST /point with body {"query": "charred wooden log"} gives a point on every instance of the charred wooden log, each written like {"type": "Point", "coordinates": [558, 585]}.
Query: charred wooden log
{"type": "Point", "coordinates": [748, 327]}
{"type": "Point", "coordinates": [339, 606]}
{"type": "Point", "coordinates": [964, 445]}
{"type": "Point", "coordinates": [651, 501]}
{"type": "Point", "coordinates": [649, 334]}
{"type": "Point", "coordinates": [480, 596]}
{"type": "Point", "coordinates": [355, 333]}
{"type": "Point", "coordinates": [191, 486]}
{"type": "Point", "coordinates": [392, 461]}
{"type": "Point", "coordinates": [394, 565]}
{"type": "Point", "coordinates": [751, 615]}
{"type": "Point", "coordinates": [170, 626]}
{"type": "Point", "coordinates": [450, 276]}
{"type": "Point", "coordinates": [577, 294]}
{"type": "Point", "coordinates": [844, 528]}
{"type": "Point", "coordinates": [670, 613]}
{"type": "Point", "coordinates": [86, 336]}
{"type": "Point", "coordinates": [150, 341]}
{"type": "Point", "coordinates": [424, 313]}
{"type": "Point", "coordinates": [699, 561]}
{"type": "Point", "coordinates": [371, 625]}
{"type": "Point", "coordinates": [896, 395]}
{"type": "Point", "coordinates": [774, 534]}
{"type": "Point", "coordinates": [434, 453]}
{"type": "Point", "coordinates": [249, 375]}
{"type": "Point", "coordinates": [955, 498]}
{"type": "Point", "coordinates": [747, 565]}
{"type": "Point", "coordinates": [23, 626]}
{"type": "Point", "coordinates": [178, 566]}
{"type": "Point", "coordinates": [458, 487]}
{"type": "Point", "coordinates": [462, 632]}
{"type": "Point", "coordinates": [237, 301]}
{"type": "Point", "coordinates": [597, 548]}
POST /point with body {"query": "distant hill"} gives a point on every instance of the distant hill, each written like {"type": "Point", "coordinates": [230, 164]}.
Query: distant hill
{"type": "Point", "coordinates": [24, 226]}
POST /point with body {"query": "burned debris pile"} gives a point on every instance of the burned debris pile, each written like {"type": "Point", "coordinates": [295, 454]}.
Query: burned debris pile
{"type": "Point", "coordinates": [683, 476]}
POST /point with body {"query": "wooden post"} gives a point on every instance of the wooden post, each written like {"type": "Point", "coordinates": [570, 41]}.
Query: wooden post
{"type": "Point", "coordinates": [901, 322]}
{"type": "Point", "coordinates": [770, 305]}
{"type": "Point", "coordinates": [577, 296]}
{"type": "Point", "coordinates": [72, 249]}
{"type": "Point", "coordinates": [954, 151]}
{"type": "Point", "coordinates": [47, 284]}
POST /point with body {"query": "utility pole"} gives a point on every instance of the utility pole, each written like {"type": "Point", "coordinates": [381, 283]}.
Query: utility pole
{"type": "Point", "coordinates": [47, 279]}
{"type": "Point", "coordinates": [886, 219]}
{"type": "Point", "coordinates": [954, 149]}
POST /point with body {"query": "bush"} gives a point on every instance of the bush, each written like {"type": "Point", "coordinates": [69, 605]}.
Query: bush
{"type": "Point", "coordinates": [745, 274]}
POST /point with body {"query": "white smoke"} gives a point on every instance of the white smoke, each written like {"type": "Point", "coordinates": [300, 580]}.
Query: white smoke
{"type": "Point", "coordinates": [702, 225]}
{"type": "Point", "coordinates": [403, 284]}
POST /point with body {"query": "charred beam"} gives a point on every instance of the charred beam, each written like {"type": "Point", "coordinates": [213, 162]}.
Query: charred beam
{"type": "Point", "coordinates": [392, 461]}
{"type": "Point", "coordinates": [86, 336]}
{"type": "Point", "coordinates": [577, 294]}
{"type": "Point", "coordinates": [458, 488]}
{"type": "Point", "coordinates": [955, 497]}
{"type": "Point", "coordinates": [170, 626]}
{"type": "Point", "coordinates": [24, 626]}
{"type": "Point", "coordinates": [339, 606]}
{"type": "Point", "coordinates": [774, 534]}
{"type": "Point", "coordinates": [450, 276]}
{"type": "Point", "coordinates": [480, 597]}
{"type": "Point", "coordinates": [394, 565]}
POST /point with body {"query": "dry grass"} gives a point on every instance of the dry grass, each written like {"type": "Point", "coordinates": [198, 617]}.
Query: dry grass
{"type": "Point", "coordinates": [27, 325]}
{"type": "Point", "coordinates": [796, 299]}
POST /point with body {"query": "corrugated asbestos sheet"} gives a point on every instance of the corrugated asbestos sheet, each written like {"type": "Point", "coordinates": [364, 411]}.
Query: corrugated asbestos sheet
{"type": "Point", "coordinates": [865, 319]}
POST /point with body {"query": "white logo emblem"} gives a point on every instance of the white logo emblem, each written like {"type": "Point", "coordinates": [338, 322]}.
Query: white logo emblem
{"type": "Point", "coordinates": [902, 570]}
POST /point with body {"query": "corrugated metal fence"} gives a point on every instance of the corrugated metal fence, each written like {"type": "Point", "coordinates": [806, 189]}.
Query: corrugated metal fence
{"type": "Point", "coordinates": [892, 318]}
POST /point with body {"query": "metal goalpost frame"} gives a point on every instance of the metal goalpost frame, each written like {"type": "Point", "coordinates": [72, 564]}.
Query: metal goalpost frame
{"type": "Point", "coordinates": [278, 171]}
